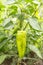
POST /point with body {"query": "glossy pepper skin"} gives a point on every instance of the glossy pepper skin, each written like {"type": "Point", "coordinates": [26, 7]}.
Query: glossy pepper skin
{"type": "Point", "coordinates": [21, 43]}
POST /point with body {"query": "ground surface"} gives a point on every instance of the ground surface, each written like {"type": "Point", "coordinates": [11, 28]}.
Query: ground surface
{"type": "Point", "coordinates": [28, 62]}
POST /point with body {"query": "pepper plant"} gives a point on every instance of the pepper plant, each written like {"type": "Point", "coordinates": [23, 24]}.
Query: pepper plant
{"type": "Point", "coordinates": [20, 28]}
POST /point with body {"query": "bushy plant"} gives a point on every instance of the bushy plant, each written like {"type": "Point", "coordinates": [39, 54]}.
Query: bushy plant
{"type": "Point", "coordinates": [21, 29]}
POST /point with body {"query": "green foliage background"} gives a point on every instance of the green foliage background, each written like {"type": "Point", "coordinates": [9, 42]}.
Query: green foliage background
{"type": "Point", "coordinates": [21, 15]}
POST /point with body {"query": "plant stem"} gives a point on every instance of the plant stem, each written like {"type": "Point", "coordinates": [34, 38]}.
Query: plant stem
{"type": "Point", "coordinates": [18, 62]}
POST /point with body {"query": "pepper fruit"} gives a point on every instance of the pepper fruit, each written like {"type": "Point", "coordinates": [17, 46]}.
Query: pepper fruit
{"type": "Point", "coordinates": [21, 43]}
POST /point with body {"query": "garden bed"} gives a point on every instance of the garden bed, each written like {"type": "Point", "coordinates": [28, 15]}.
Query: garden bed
{"type": "Point", "coordinates": [24, 62]}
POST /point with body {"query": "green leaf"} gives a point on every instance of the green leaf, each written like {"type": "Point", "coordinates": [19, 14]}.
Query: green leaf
{"type": "Point", "coordinates": [6, 21]}
{"type": "Point", "coordinates": [7, 2]}
{"type": "Point", "coordinates": [3, 43]}
{"type": "Point", "coordinates": [28, 1]}
{"type": "Point", "coordinates": [1, 6]}
{"type": "Point", "coordinates": [34, 23]}
{"type": "Point", "coordinates": [36, 2]}
{"type": "Point", "coordinates": [8, 24]}
{"type": "Point", "coordinates": [35, 49]}
{"type": "Point", "coordinates": [42, 26]}
{"type": "Point", "coordinates": [29, 9]}
{"type": "Point", "coordinates": [2, 58]}
{"type": "Point", "coordinates": [2, 37]}
{"type": "Point", "coordinates": [12, 10]}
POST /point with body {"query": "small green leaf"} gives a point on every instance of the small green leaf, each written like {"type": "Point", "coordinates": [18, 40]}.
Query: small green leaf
{"type": "Point", "coordinates": [12, 10]}
{"type": "Point", "coordinates": [34, 24]}
{"type": "Point", "coordinates": [2, 58]}
{"type": "Point", "coordinates": [3, 43]}
{"type": "Point", "coordinates": [42, 26]}
{"type": "Point", "coordinates": [6, 21]}
{"type": "Point", "coordinates": [28, 1]}
{"type": "Point", "coordinates": [35, 49]}
{"type": "Point", "coordinates": [8, 2]}
{"type": "Point", "coordinates": [8, 24]}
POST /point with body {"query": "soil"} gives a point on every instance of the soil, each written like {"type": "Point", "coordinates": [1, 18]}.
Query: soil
{"type": "Point", "coordinates": [40, 62]}
{"type": "Point", "coordinates": [26, 62]}
{"type": "Point", "coordinates": [7, 62]}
